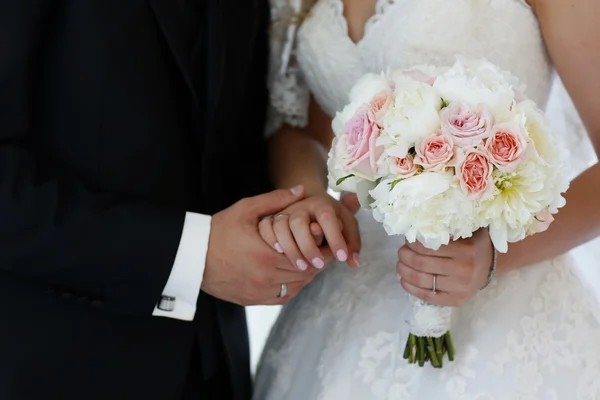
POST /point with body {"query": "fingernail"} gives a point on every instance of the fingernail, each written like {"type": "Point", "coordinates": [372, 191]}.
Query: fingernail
{"type": "Point", "coordinates": [318, 263]}
{"type": "Point", "coordinates": [297, 190]}
{"type": "Point", "coordinates": [302, 265]}
{"type": "Point", "coordinates": [399, 277]}
{"type": "Point", "coordinates": [356, 258]}
{"type": "Point", "coordinates": [278, 248]}
{"type": "Point", "coordinates": [341, 255]}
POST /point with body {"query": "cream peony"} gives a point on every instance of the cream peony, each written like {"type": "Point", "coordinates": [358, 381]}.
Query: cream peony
{"type": "Point", "coordinates": [518, 197]}
{"type": "Point", "coordinates": [477, 82]}
{"type": "Point", "coordinates": [546, 145]}
{"type": "Point", "coordinates": [429, 207]}
{"type": "Point", "coordinates": [367, 87]}
{"type": "Point", "coordinates": [413, 116]}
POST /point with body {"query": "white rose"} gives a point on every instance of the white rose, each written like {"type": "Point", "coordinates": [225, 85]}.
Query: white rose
{"type": "Point", "coordinates": [477, 82]}
{"type": "Point", "coordinates": [428, 207]}
{"type": "Point", "coordinates": [413, 116]}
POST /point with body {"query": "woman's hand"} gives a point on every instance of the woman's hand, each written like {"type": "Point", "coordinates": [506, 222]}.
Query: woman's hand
{"type": "Point", "coordinates": [295, 231]}
{"type": "Point", "coordinates": [461, 269]}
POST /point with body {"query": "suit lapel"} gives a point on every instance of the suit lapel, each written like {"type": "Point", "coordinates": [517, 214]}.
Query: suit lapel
{"type": "Point", "coordinates": [166, 14]}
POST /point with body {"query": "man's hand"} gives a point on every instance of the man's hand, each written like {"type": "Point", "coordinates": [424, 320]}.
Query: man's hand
{"type": "Point", "coordinates": [240, 267]}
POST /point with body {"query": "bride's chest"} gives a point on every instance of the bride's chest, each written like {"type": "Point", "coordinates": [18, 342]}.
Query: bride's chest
{"type": "Point", "coordinates": [404, 33]}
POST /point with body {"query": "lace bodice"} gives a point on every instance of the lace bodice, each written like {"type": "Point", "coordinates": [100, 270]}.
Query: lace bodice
{"type": "Point", "coordinates": [401, 34]}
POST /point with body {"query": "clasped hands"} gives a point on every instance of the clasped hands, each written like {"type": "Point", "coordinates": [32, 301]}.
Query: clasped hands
{"type": "Point", "coordinates": [261, 243]}
{"type": "Point", "coordinates": [285, 237]}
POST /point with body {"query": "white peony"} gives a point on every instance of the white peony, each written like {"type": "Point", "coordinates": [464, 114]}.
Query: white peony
{"type": "Point", "coordinates": [478, 82]}
{"type": "Point", "coordinates": [421, 73]}
{"type": "Point", "coordinates": [413, 116]}
{"type": "Point", "coordinates": [535, 186]}
{"type": "Point", "coordinates": [368, 87]}
{"type": "Point", "coordinates": [429, 207]}
{"type": "Point", "coordinates": [546, 144]}
{"type": "Point", "coordinates": [547, 150]}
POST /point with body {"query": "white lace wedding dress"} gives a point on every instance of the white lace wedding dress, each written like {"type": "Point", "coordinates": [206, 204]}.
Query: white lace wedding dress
{"type": "Point", "coordinates": [532, 334]}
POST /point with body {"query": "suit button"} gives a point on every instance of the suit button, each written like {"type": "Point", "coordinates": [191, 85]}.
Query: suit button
{"type": "Point", "coordinates": [67, 295]}
{"type": "Point", "coordinates": [96, 303]}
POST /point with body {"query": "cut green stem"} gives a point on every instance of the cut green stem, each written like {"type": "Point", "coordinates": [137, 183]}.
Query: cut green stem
{"type": "Point", "coordinates": [449, 346]}
{"type": "Point", "coordinates": [412, 358]}
{"type": "Point", "coordinates": [421, 342]}
{"type": "Point", "coordinates": [431, 351]}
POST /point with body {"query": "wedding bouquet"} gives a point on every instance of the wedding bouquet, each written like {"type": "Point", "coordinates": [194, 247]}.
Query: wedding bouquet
{"type": "Point", "coordinates": [438, 153]}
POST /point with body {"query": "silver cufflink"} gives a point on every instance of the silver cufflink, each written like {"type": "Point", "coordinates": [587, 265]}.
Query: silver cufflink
{"type": "Point", "coordinates": [166, 303]}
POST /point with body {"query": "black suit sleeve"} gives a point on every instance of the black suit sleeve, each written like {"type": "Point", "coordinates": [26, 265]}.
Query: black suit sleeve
{"type": "Point", "coordinates": [53, 230]}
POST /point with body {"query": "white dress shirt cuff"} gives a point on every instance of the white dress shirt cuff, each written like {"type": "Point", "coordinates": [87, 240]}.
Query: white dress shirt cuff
{"type": "Point", "coordinates": [188, 270]}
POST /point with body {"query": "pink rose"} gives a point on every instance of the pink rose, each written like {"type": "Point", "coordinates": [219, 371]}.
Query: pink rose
{"type": "Point", "coordinates": [475, 175]}
{"type": "Point", "coordinates": [468, 126]}
{"type": "Point", "coordinates": [404, 167]}
{"type": "Point", "coordinates": [435, 152]}
{"type": "Point", "coordinates": [507, 146]}
{"type": "Point", "coordinates": [362, 152]}
{"type": "Point", "coordinates": [380, 104]}
{"type": "Point", "coordinates": [540, 223]}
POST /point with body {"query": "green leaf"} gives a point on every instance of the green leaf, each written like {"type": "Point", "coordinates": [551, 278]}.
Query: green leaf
{"type": "Point", "coordinates": [412, 151]}
{"type": "Point", "coordinates": [444, 103]}
{"type": "Point", "coordinates": [394, 183]}
{"type": "Point", "coordinates": [339, 181]}
{"type": "Point", "coordinates": [378, 181]}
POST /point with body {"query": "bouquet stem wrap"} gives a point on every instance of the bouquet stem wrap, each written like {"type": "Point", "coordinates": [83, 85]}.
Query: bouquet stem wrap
{"type": "Point", "coordinates": [430, 337]}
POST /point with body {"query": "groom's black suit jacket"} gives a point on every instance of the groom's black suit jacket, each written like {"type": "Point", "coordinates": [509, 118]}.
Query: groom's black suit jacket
{"type": "Point", "coordinates": [109, 133]}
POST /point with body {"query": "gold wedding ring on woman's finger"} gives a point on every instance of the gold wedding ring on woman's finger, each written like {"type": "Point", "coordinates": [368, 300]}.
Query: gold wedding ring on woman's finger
{"type": "Point", "coordinates": [434, 286]}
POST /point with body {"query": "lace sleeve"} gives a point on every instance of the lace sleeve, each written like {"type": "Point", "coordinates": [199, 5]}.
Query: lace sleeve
{"type": "Point", "coordinates": [288, 93]}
